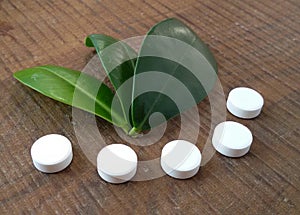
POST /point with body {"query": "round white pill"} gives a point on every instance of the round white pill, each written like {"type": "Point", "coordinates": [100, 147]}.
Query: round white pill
{"type": "Point", "coordinates": [116, 163]}
{"type": "Point", "coordinates": [51, 153]}
{"type": "Point", "coordinates": [244, 102]}
{"type": "Point", "coordinates": [180, 159]}
{"type": "Point", "coordinates": [232, 139]}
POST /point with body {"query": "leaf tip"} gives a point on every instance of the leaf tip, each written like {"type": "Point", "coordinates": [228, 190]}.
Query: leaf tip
{"type": "Point", "coordinates": [16, 75]}
{"type": "Point", "coordinates": [88, 42]}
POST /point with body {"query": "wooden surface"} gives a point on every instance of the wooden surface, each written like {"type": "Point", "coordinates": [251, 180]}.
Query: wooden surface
{"type": "Point", "coordinates": [256, 44]}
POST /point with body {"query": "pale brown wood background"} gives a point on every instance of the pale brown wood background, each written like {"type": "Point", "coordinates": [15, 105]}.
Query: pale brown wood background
{"type": "Point", "coordinates": [256, 44]}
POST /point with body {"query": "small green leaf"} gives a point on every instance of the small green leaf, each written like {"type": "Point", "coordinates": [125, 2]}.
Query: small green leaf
{"type": "Point", "coordinates": [118, 59]}
{"type": "Point", "coordinates": [173, 53]}
{"type": "Point", "coordinates": [61, 83]}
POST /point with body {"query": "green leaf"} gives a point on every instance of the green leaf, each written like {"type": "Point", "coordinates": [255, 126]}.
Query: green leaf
{"type": "Point", "coordinates": [171, 53]}
{"type": "Point", "coordinates": [63, 84]}
{"type": "Point", "coordinates": [118, 59]}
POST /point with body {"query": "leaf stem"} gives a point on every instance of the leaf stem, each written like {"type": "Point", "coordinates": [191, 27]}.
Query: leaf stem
{"type": "Point", "coordinates": [134, 132]}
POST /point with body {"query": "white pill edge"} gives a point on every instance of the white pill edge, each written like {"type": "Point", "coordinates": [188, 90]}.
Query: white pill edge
{"type": "Point", "coordinates": [119, 178]}
{"type": "Point", "coordinates": [57, 166]}
{"type": "Point", "coordinates": [178, 174]}
{"type": "Point", "coordinates": [227, 151]}
{"type": "Point", "coordinates": [240, 112]}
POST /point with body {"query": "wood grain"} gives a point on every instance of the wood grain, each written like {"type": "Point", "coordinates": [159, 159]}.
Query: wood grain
{"type": "Point", "coordinates": [256, 44]}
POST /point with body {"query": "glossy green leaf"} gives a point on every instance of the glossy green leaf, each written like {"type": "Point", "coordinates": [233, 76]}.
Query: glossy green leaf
{"type": "Point", "coordinates": [173, 71]}
{"type": "Point", "coordinates": [171, 53]}
{"type": "Point", "coordinates": [118, 59]}
{"type": "Point", "coordinates": [61, 84]}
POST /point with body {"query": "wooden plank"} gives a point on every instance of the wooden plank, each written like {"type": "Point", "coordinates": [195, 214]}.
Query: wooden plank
{"type": "Point", "coordinates": [256, 44]}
